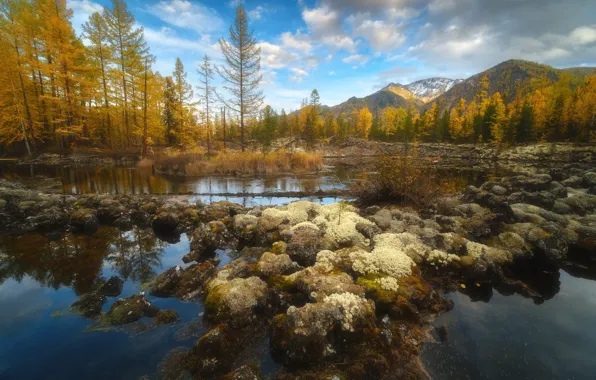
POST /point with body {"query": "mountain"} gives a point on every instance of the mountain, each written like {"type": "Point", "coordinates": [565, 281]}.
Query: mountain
{"type": "Point", "coordinates": [508, 78]}
{"type": "Point", "coordinates": [398, 95]}
{"type": "Point", "coordinates": [393, 95]}
{"type": "Point", "coordinates": [428, 89]}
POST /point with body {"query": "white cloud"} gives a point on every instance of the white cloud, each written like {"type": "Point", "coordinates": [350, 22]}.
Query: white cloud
{"type": "Point", "coordinates": [332, 73]}
{"type": "Point", "coordinates": [356, 58]}
{"type": "Point", "coordinates": [298, 76]}
{"type": "Point", "coordinates": [296, 41]}
{"type": "Point", "coordinates": [381, 35]}
{"type": "Point", "coordinates": [583, 35]}
{"type": "Point", "coordinates": [188, 15]}
{"type": "Point", "coordinates": [275, 56]}
{"type": "Point", "coordinates": [257, 13]}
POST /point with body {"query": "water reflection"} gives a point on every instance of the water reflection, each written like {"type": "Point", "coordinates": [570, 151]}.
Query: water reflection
{"type": "Point", "coordinates": [76, 261]}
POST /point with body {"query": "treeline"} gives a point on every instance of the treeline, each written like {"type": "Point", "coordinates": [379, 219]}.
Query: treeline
{"type": "Point", "coordinates": [60, 89]}
{"type": "Point", "coordinates": [554, 112]}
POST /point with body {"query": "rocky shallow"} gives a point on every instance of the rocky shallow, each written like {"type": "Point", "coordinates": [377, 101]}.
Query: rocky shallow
{"type": "Point", "coordinates": [335, 290]}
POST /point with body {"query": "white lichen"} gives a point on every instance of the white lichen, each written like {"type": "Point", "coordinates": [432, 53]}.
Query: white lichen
{"type": "Point", "coordinates": [388, 283]}
{"type": "Point", "coordinates": [305, 225]}
{"type": "Point", "coordinates": [351, 305]}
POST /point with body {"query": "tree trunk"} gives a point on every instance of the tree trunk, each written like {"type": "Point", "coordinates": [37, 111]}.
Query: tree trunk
{"type": "Point", "coordinates": [224, 128]}
{"type": "Point", "coordinates": [145, 142]}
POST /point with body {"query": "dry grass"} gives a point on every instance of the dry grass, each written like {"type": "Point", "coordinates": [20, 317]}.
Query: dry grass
{"type": "Point", "coordinates": [405, 179]}
{"type": "Point", "coordinates": [247, 163]}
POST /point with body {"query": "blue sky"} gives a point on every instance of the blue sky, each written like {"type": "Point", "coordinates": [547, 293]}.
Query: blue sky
{"type": "Point", "coordinates": [347, 48]}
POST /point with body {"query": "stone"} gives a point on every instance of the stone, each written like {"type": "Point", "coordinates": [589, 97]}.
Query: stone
{"type": "Point", "coordinates": [271, 264]}
{"type": "Point", "coordinates": [209, 237]}
{"type": "Point", "coordinates": [129, 310]}
{"type": "Point", "coordinates": [165, 223]}
{"type": "Point", "coordinates": [573, 182]}
{"type": "Point", "coordinates": [245, 227]}
{"type": "Point", "coordinates": [89, 305]}
{"type": "Point", "coordinates": [236, 302]}
{"type": "Point", "coordinates": [589, 179]}
{"type": "Point", "coordinates": [84, 220]}
{"type": "Point", "coordinates": [166, 317]}
{"type": "Point", "coordinates": [368, 230]}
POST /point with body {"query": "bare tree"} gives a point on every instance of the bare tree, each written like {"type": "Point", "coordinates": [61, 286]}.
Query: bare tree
{"type": "Point", "coordinates": [242, 72]}
{"type": "Point", "coordinates": [206, 93]}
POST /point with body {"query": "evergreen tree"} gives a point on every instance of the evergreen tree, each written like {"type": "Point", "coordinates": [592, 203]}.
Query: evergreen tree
{"type": "Point", "coordinates": [242, 73]}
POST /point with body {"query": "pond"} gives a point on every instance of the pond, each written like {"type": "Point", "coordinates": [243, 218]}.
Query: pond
{"type": "Point", "coordinates": [511, 337]}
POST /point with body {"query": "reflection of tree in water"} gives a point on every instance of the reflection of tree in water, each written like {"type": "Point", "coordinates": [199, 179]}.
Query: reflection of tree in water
{"type": "Point", "coordinates": [69, 260]}
{"type": "Point", "coordinates": [134, 254]}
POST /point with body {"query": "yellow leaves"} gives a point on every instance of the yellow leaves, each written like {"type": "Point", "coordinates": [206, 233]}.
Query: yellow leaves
{"type": "Point", "coordinates": [363, 123]}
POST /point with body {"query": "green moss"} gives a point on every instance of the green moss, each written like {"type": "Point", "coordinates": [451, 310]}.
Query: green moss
{"type": "Point", "coordinates": [282, 283]}
{"type": "Point", "coordinates": [166, 316]}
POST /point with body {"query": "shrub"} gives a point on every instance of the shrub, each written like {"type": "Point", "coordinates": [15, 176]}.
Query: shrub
{"type": "Point", "coordinates": [405, 178]}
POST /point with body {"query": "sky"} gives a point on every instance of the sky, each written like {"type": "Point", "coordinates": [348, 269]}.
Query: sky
{"type": "Point", "coordinates": [346, 48]}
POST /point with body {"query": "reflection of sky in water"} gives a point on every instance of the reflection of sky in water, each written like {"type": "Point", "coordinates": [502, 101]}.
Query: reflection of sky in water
{"type": "Point", "coordinates": [34, 344]}
{"type": "Point", "coordinates": [511, 337]}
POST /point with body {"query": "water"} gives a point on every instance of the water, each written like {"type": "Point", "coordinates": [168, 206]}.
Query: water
{"type": "Point", "coordinates": [511, 337]}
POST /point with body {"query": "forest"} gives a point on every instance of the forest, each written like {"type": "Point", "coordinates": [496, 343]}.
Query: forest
{"type": "Point", "coordinates": [63, 91]}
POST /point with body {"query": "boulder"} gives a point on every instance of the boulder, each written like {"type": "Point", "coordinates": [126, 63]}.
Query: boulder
{"type": "Point", "coordinates": [317, 331]}
{"type": "Point", "coordinates": [84, 220]}
{"type": "Point", "coordinates": [129, 310]}
{"type": "Point", "coordinates": [245, 227]}
{"type": "Point", "coordinates": [166, 317]}
{"type": "Point", "coordinates": [89, 305]}
{"type": "Point", "coordinates": [573, 182]}
{"type": "Point", "coordinates": [112, 287]}
{"type": "Point", "coordinates": [589, 179]}
{"type": "Point", "coordinates": [207, 238]}
{"type": "Point", "coordinates": [214, 353]}
{"type": "Point", "coordinates": [271, 264]}
{"type": "Point", "coordinates": [109, 210]}
{"type": "Point", "coordinates": [165, 223]}
{"type": "Point", "coordinates": [236, 301]}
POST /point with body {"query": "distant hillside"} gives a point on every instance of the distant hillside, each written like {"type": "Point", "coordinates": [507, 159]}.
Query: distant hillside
{"type": "Point", "coordinates": [508, 77]}
{"type": "Point", "coordinates": [398, 95]}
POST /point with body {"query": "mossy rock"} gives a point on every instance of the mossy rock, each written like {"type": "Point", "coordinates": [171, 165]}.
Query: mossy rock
{"type": "Point", "coordinates": [129, 310]}
{"type": "Point", "coordinates": [166, 317]}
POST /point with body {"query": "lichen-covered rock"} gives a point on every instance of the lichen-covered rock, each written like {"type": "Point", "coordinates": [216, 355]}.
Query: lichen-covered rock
{"type": "Point", "coordinates": [589, 179]}
{"type": "Point", "coordinates": [304, 245]}
{"type": "Point", "coordinates": [166, 317]}
{"type": "Point", "coordinates": [207, 238]}
{"type": "Point", "coordinates": [317, 331]}
{"type": "Point", "coordinates": [245, 227]}
{"type": "Point", "coordinates": [239, 268]}
{"type": "Point", "coordinates": [317, 282]}
{"type": "Point", "coordinates": [245, 372]}
{"type": "Point", "coordinates": [271, 264]}
{"type": "Point", "coordinates": [214, 353]}
{"type": "Point", "coordinates": [514, 244]}
{"type": "Point", "coordinates": [222, 210]}
{"type": "Point", "coordinates": [543, 199]}
{"type": "Point", "coordinates": [573, 182]}
{"type": "Point", "coordinates": [581, 204]}
{"type": "Point", "coordinates": [183, 283]}
{"type": "Point", "coordinates": [489, 254]}
{"type": "Point", "coordinates": [236, 301]}
{"type": "Point", "coordinates": [109, 210]}
{"type": "Point", "coordinates": [129, 310]}
{"type": "Point", "coordinates": [84, 220]}
{"type": "Point", "coordinates": [529, 182]}
{"type": "Point", "coordinates": [165, 223]}
{"type": "Point", "coordinates": [552, 244]}
{"type": "Point", "coordinates": [382, 219]}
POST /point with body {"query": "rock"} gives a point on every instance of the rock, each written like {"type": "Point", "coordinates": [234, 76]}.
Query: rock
{"type": "Point", "coordinates": [183, 283]}
{"type": "Point", "coordinates": [514, 244]}
{"type": "Point", "coordinates": [239, 268]}
{"type": "Point", "coordinates": [382, 219]}
{"type": "Point", "coordinates": [84, 220]}
{"type": "Point", "coordinates": [165, 223]}
{"type": "Point", "coordinates": [498, 190]}
{"type": "Point", "coordinates": [589, 179]}
{"type": "Point", "coordinates": [586, 237]}
{"type": "Point", "coordinates": [214, 353]}
{"type": "Point", "coordinates": [129, 310]}
{"type": "Point", "coordinates": [279, 247]}
{"type": "Point", "coordinates": [166, 317]}
{"type": "Point", "coordinates": [209, 237]}
{"type": "Point", "coordinates": [558, 190]}
{"type": "Point", "coordinates": [542, 199]}
{"type": "Point", "coordinates": [368, 230]}
{"type": "Point", "coordinates": [113, 287]}
{"type": "Point", "coordinates": [268, 229]}
{"type": "Point", "coordinates": [592, 190]}
{"type": "Point", "coordinates": [536, 182]}
{"type": "Point", "coordinates": [89, 305]}
{"type": "Point", "coordinates": [581, 204]}
{"type": "Point", "coordinates": [245, 227]}
{"type": "Point", "coordinates": [245, 372]}
{"type": "Point", "coordinates": [304, 245]}
{"type": "Point", "coordinates": [573, 181]}
{"type": "Point", "coordinates": [271, 264]}
{"type": "Point", "coordinates": [219, 211]}
{"type": "Point", "coordinates": [124, 223]}
{"type": "Point", "coordinates": [316, 283]}
{"type": "Point", "coordinates": [316, 331]}
{"type": "Point", "coordinates": [561, 208]}
{"type": "Point", "coordinates": [552, 244]}
{"type": "Point", "coordinates": [236, 301]}
{"type": "Point", "coordinates": [109, 210]}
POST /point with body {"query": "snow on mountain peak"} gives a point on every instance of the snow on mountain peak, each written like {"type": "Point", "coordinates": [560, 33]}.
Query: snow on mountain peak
{"type": "Point", "coordinates": [428, 89]}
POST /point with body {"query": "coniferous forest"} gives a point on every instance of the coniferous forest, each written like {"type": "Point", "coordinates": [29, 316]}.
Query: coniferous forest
{"type": "Point", "coordinates": [62, 90]}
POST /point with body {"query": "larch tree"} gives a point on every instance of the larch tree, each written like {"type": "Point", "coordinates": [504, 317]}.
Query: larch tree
{"type": "Point", "coordinates": [242, 71]}
{"type": "Point", "coordinates": [170, 112]}
{"type": "Point", "coordinates": [129, 47]}
{"type": "Point", "coordinates": [206, 94]}
{"type": "Point", "coordinates": [96, 32]}
{"type": "Point", "coordinates": [363, 123]}
{"type": "Point", "coordinates": [184, 95]}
